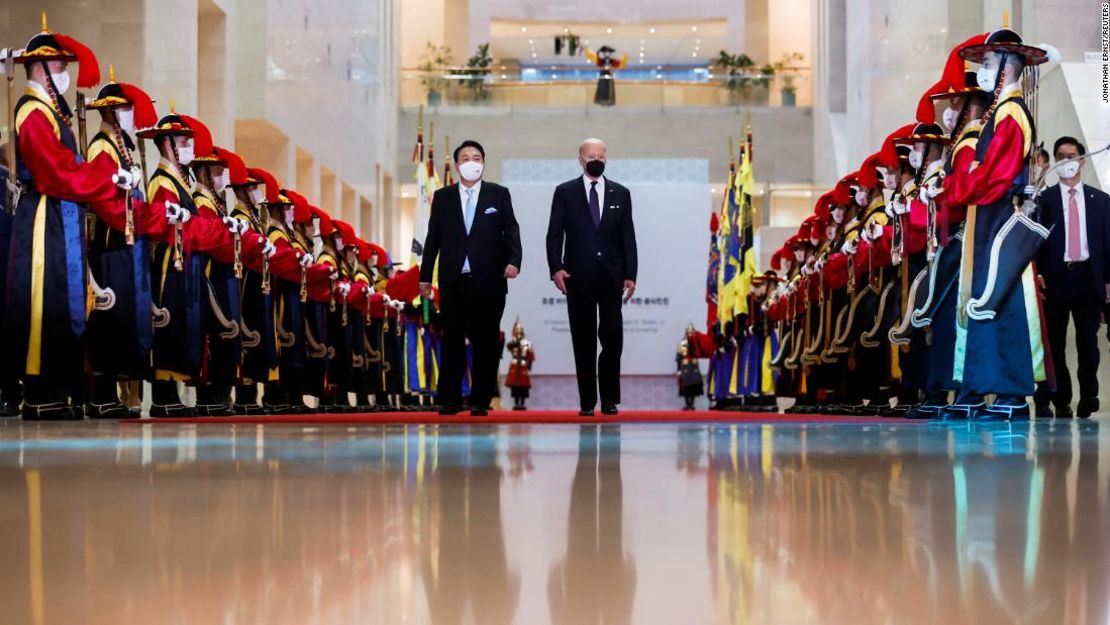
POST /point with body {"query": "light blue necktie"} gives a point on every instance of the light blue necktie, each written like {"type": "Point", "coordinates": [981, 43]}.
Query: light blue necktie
{"type": "Point", "coordinates": [468, 218]}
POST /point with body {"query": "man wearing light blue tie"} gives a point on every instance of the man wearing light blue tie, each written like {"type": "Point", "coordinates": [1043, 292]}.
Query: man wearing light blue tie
{"type": "Point", "coordinates": [473, 232]}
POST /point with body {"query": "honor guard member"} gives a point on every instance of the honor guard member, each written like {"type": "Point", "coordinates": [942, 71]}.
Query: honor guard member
{"type": "Point", "coordinates": [258, 336]}
{"type": "Point", "coordinates": [223, 267]}
{"type": "Point", "coordinates": [927, 143]}
{"type": "Point", "coordinates": [282, 392]}
{"type": "Point", "coordinates": [318, 229]}
{"type": "Point", "coordinates": [356, 253]}
{"type": "Point", "coordinates": [999, 347]}
{"type": "Point", "coordinates": [126, 227]}
{"type": "Point", "coordinates": [46, 304]}
{"type": "Point", "coordinates": [177, 277]}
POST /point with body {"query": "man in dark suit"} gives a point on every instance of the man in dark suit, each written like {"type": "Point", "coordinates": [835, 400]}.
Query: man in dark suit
{"type": "Point", "coordinates": [473, 232]}
{"type": "Point", "coordinates": [591, 252]}
{"type": "Point", "coordinates": [1074, 267]}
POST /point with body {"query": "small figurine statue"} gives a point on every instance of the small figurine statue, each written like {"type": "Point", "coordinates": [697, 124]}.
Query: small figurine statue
{"type": "Point", "coordinates": [606, 94]}
{"type": "Point", "coordinates": [521, 356]}
{"type": "Point", "coordinates": [690, 382]}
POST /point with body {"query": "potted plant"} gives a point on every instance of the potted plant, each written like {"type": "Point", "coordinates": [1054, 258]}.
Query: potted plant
{"type": "Point", "coordinates": [432, 65]}
{"type": "Point", "coordinates": [742, 78]}
{"type": "Point", "coordinates": [787, 66]}
{"type": "Point", "coordinates": [477, 69]}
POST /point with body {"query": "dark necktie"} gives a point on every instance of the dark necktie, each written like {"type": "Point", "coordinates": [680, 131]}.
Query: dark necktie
{"type": "Point", "coordinates": [595, 205]}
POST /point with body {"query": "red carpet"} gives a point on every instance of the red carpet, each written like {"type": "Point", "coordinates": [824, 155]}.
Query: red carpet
{"type": "Point", "coordinates": [530, 416]}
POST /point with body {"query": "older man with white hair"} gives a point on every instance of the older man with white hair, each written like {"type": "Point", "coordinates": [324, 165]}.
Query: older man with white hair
{"type": "Point", "coordinates": [591, 252]}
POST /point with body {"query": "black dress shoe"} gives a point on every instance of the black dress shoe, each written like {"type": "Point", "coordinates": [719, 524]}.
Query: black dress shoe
{"type": "Point", "coordinates": [923, 411]}
{"type": "Point", "coordinates": [961, 409]}
{"type": "Point", "coordinates": [215, 410]}
{"type": "Point", "coordinates": [9, 410]}
{"type": "Point", "coordinates": [1044, 413]}
{"type": "Point", "coordinates": [171, 411]}
{"type": "Point", "coordinates": [1064, 412]}
{"type": "Point", "coordinates": [1087, 407]}
{"type": "Point", "coordinates": [1003, 409]}
{"type": "Point", "coordinates": [585, 413]}
{"type": "Point", "coordinates": [252, 410]}
{"type": "Point", "coordinates": [448, 411]}
{"type": "Point", "coordinates": [107, 411]}
{"type": "Point", "coordinates": [479, 412]}
{"type": "Point", "coordinates": [609, 409]}
{"type": "Point", "coordinates": [49, 412]}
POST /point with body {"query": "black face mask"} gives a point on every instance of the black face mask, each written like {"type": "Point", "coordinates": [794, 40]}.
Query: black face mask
{"type": "Point", "coordinates": [595, 168]}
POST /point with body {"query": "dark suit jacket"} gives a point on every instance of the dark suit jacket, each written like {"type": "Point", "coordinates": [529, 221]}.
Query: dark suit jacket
{"type": "Point", "coordinates": [574, 244]}
{"type": "Point", "coordinates": [1050, 259]}
{"type": "Point", "coordinates": [493, 242]}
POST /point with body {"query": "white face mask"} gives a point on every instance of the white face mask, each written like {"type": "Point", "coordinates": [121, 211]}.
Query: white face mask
{"type": "Point", "coordinates": [890, 181]}
{"type": "Point", "coordinates": [471, 170]}
{"type": "Point", "coordinates": [986, 78]}
{"type": "Point", "coordinates": [1068, 170]}
{"type": "Point", "coordinates": [861, 197]}
{"type": "Point", "coordinates": [799, 256]}
{"type": "Point", "coordinates": [256, 195]}
{"type": "Point", "coordinates": [61, 82]}
{"type": "Point", "coordinates": [126, 119]}
{"type": "Point", "coordinates": [949, 117]}
{"type": "Point", "coordinates": [185, 155]}
{"type": "Point", "coordinates": [838, 215]}
{"type": "Point", "coordinates": [221, 182]}
{"type": "Point", "coordinates": [916, 158]}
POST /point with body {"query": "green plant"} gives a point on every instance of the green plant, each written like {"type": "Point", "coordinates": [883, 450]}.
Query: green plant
{"type": "Point", "coordinates": [432, 65]}
{"type": "Point", "coordinates": [742, 76]}
{"type": "Point", "coordinates": [477, 68]}
{"type": "Point", "coordinates": [787, 67]}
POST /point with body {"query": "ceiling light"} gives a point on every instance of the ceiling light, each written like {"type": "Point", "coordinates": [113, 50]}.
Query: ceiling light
{"type": "Point", "coordinates": [523, 29]}
{"type": "Point", "coordinates": [651, 30]}
{"type": "Point", "coordinates": [530, 42]}
{"type": "Point", "coordinates": [609, 31]}
{"type": "Point", "coordinates": [566, 31]}
{"type": "Point", "coordinates": [694, 28]}
{"type": "Point", "coordinates": [695, 55]}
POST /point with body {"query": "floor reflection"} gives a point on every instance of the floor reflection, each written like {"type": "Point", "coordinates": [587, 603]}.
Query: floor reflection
{"type": "Point", "coordinates": [596, 580]}
{"type": "Point", "coordinates": [775, 523]}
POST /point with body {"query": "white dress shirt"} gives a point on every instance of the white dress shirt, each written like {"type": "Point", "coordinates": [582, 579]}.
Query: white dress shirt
{"type": "Point", "coordinates": [463, 193]}
{"type": "Point", "coordinates": [600, 191]}
{"type": "Point", "coordinates": [1084, 249]}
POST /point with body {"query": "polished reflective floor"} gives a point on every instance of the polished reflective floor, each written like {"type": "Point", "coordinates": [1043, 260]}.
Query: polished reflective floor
{"type": "Point", "coordinates": [776, 523]}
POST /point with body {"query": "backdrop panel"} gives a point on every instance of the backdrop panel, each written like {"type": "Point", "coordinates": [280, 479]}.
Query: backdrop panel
{"type": "Point", "coordinates": [671, 207]}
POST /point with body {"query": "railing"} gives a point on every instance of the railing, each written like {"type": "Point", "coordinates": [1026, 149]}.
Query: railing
{"type": "Point", "coordinates": [555, 87]}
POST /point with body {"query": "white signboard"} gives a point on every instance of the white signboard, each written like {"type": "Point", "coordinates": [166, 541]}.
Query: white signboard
{"type": "Point", "coordinates": [671, 207]}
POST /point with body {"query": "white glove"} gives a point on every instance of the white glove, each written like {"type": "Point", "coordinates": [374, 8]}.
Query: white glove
{"type": "Point", "coordinates": [268, 249]}
{"type": "Point", "coordinates": [1030, 190]}
{"type": "Point", "coordinates": [306, 260]}
{"type": "Point", "coordinates": [235, 226]}
{"type": "Point", "coordinates": [334, 275]}
{"type": "Point", "coordinates": [177, 215]}
{"type": "Point", "coordinates": [344, 288]}
{"type": "Point", "coordinates": [317, 243]}
{"type": "Point", "coordinates": [850, 247]}
{"type": "Point", "coordinates": [397, 305]}
{"type": "Point", "coordinates": [934, 189]}
{"type": "Point", "coordinates": [819, 266]}
{"type": "Point", "coordinates": [123, 179]}
{"type": "Point", "coordinates": [874, 230]}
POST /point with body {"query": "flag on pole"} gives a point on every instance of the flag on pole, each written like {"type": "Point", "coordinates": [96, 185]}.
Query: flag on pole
{"type": "Point", "coordinates": [745, 184]}
{"type": "Point", "coordinates": [427, 181]}
{"type": "Point", "coordinates": [729, 242]}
